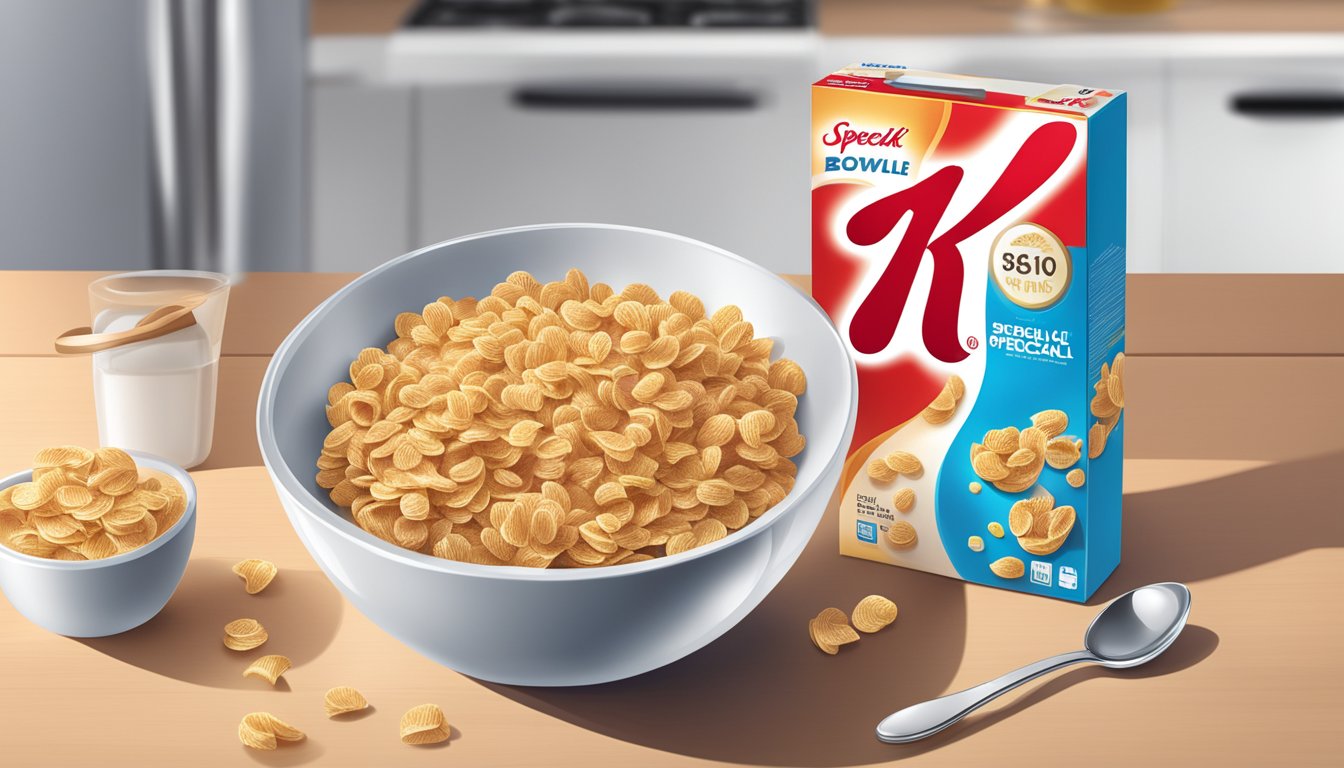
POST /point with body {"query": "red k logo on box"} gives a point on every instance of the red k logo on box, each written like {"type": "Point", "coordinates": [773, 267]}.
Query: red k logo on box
{"type": "Point", "coordinates": [874, 322]}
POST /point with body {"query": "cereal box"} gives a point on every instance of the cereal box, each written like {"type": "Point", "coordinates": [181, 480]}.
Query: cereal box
{"type": "Point", "coordinates": [968, 239]}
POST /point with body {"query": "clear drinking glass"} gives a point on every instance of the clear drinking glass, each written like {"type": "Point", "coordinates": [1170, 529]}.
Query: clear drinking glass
{"type": "Point", "coordinates": [158, 395]}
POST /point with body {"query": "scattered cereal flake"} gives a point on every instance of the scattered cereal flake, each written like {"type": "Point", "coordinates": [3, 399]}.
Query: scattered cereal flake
{"type": "Point", "coordinates": [260, 730]}
{"type": "Point", "coordinates": [830, 629]}
{"type": "Point", "coordinates": [342, 700]}
{"type": "Point", "coordinates": [424, 724]}
{"type": "Point", "coordinates": [256, 574]}
{"type": "Point", "coordinates": [268, 668]}
{"type": "Point", "coordinates": [873, 613]}
{"type": "Point", "coordinates": [244, 634]}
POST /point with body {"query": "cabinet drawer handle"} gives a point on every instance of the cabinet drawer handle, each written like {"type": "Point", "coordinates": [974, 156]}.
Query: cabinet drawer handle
{"type": "Point", "coordinates": [632, 97]}
{"type": "Point", "coordinates": [1319, 104]}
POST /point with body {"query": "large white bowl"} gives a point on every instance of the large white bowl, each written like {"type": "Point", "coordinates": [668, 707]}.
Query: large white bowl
{"type": "Point", "coordinates": [553, 627]}
{"type": "Point", "coordinates": [96, 598]}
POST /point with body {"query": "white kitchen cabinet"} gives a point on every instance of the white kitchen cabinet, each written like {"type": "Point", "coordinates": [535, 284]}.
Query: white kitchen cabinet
{"type": "Point", "coordinates": [678, 172]}
{"type": "Point", "coordinates": [398, 164]}
{"type": "Point", "coordinates": [1256, 165]}
{"type": "Point", "coordinates": [363, 204]}
{"type": "Point", "coordinates": [703, 136]}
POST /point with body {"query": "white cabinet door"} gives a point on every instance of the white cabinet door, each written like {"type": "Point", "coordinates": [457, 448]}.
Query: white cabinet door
{"type": "Point", "coordinates": [731, 175]}
{"type": "Point", "coordinates": [1256, 154]}
{"type": "Point", "coordinates": [701, 135]}
{"type": "Point", "coordinates": [362, 182]}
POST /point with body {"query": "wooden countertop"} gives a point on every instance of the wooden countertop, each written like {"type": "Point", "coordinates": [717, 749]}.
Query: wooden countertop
{"type": "Point", "coordinates": [1234, 440]}
{"type": "Point", "coordinates": [357, 17]}
{"type": "Point", "coordinates": [951, 17]}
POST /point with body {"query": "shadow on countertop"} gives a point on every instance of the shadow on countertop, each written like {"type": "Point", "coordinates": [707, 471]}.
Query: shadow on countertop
{"type": "Point", "coordinates": [185, 641]}
{"type": "Point", "coordinates": [761, 696]}
{"type": "Point", "coordinates": [286, 754]}
{"type": "Point", "coordinates": [762, 693]}
{"type": "Point", "coordinates": [1193, 532]}
{"type": "Point", "coordinates": [738, 699]}
{"type": "Point", "coordinates": [1195, 644]}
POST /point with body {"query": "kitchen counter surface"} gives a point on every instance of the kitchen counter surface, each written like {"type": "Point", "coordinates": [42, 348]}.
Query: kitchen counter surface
{"type": "Point", "coordinates": [951, 17]}
{"type": "Point", "coordinates": [1234, 440]}
{"type": "Point", "coordinates": [357, 17]}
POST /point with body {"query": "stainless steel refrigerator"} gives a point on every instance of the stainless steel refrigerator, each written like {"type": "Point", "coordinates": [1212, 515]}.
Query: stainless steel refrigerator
{"type": "Point", "coordinates": [139, 134]}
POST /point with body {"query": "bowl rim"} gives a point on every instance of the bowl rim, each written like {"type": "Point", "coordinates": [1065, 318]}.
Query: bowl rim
{"type": "Point", "coordinates": [283, 477]}
{"type": "Point", "coordinates": [143, 460]}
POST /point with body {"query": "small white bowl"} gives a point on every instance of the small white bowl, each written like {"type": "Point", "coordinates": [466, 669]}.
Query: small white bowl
{"type": "Point", "coordinates": [552, 627]}
{"type": "Point", "coordinates": [96, 598]}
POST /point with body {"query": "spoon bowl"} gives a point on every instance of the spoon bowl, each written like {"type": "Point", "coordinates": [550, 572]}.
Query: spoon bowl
{"type": "Point", "coordinates": [1133, 629]}
{"type": "Point", "coordinates": [1138, 626]}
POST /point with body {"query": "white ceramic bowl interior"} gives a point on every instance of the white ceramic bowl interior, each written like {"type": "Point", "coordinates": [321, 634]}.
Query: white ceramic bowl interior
{"type": "Point", "coordinates": [95, 598]}
{"type": "Point", "coordinates": [559, 626]}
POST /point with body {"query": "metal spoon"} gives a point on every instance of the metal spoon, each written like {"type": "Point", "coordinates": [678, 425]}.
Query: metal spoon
{"type": "Point", "coordinates": [1134, 629]}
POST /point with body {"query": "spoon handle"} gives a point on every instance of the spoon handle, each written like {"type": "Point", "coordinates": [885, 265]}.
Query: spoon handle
{"type": "Point", "coordinates": [927, 718]}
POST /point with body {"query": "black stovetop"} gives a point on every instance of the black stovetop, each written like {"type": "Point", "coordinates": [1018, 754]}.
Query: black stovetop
{"type": "Point", "coordinates": [612, 13]}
